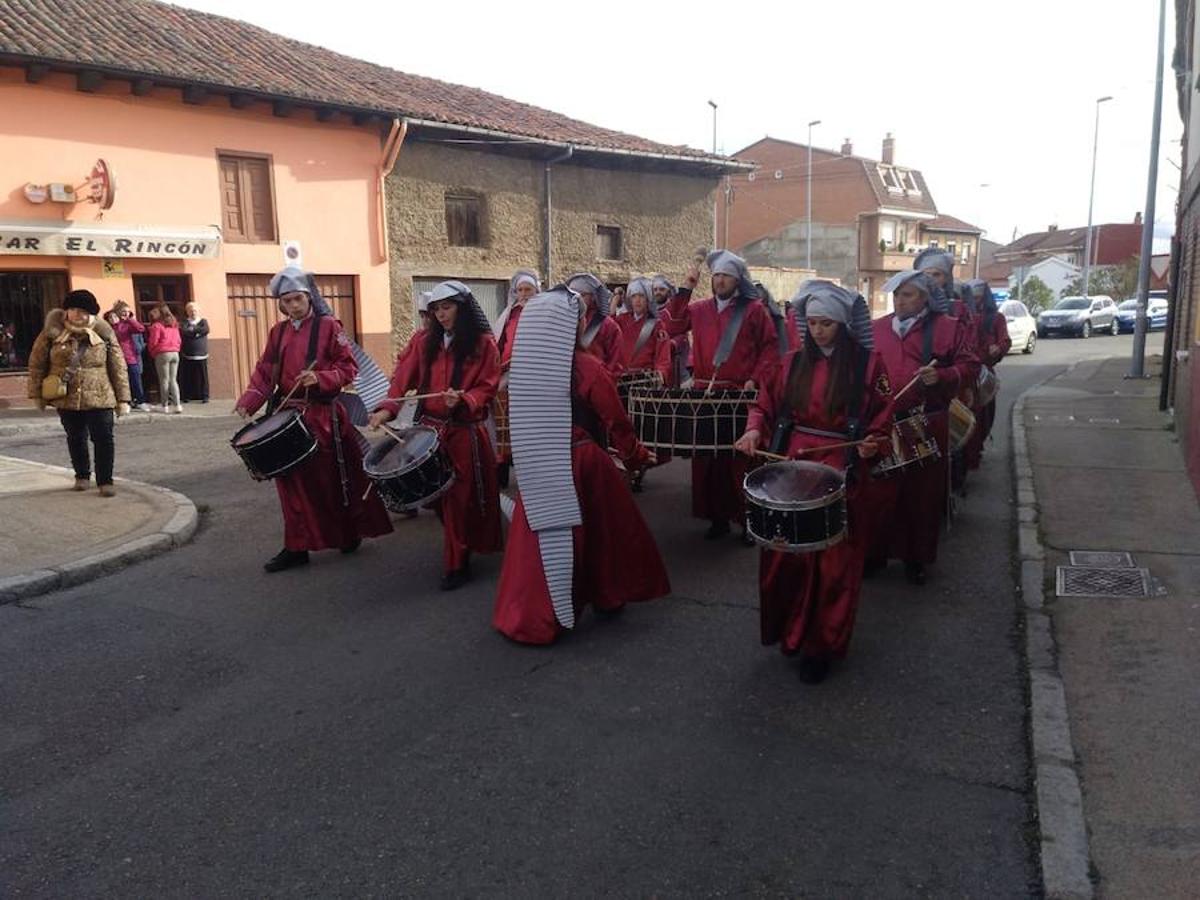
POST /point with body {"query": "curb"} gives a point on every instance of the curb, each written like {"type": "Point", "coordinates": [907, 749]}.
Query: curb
{"type": "Point", "coordinates": [175, 533]}
{"type": "Point", "coordinates": [51, 425]}
{"type": "Point", "coordinates": [1062, 830]}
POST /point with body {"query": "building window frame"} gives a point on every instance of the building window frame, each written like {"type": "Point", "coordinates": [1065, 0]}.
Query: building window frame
{"type": "Point", "coordinates": [465, 216]}
{"type": "Point", "coordinates": [610, 242]}
{"type": "Point", "coordinates": [245, 197]}
{"type": "Point", "coordinates": [28, 325]}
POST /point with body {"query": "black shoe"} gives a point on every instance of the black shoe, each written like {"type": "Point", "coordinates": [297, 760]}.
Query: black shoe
{"type": "Point", "coordinates": [873, 567]}
{"type": "Point", "coordinates": [452, 581]}
{"type": "Point", "coordinates": [352, 546]}
{"type": "Point", "coordinates": [718, 529]}
{"type": "Point", "coordinates": [914, 572]}
{"type": "Point", "coordinates": [502, 474]}
{"type": "Point", "coordinates": [813, 669]}
{"type": "Point", "coordinates": [286, 559]}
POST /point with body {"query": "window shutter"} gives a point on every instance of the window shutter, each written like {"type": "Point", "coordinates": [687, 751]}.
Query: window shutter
{"type": "Point", "coordinates": [231, 201]}
{"type": "Point", "coordinates": [257, 182]}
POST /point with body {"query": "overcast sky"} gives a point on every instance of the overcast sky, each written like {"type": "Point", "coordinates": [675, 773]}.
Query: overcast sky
{"type": "Point", "coordinates": [1000, 94]}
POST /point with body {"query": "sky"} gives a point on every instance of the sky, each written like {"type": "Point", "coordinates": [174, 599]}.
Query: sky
{"type": "Point", "coordinates": [994, 102]}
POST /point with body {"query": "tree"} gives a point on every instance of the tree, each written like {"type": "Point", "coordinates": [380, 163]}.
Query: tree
{"type": "Point", "coordinates": [1118, 282]}
{"type": "Point", "coordinates": [1034, 293]}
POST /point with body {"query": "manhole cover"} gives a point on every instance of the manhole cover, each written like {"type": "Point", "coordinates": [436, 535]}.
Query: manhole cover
{"type": "Point", "coordinates": [1097, 581]}
{"type": "Point", "coordinates": [1113, 559]}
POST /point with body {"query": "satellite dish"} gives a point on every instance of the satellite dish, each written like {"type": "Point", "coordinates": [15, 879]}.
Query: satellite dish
{"type": "Point", "coordinates": [778, 174]}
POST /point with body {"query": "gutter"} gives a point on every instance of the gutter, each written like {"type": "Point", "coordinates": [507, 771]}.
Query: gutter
{"type": "Point", "coordinates": [548, 233]}
{"type": "Point", "coordinates": [391, 152]}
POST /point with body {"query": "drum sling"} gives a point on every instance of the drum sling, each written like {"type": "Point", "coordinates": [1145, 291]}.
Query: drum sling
{"type": "Point", "coordinates": [643, 336]}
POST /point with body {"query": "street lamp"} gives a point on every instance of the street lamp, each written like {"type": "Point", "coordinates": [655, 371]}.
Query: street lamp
{"type": "Point", "coordinates": [1087, 244]}
{"type": "Point", "coordinates": [714, 109]}
{"type": "Point", "coordinates": [808, 198]}
{"type": "Point", "coordinates": [714, 150]}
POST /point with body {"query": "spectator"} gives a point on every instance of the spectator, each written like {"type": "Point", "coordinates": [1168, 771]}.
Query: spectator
{"type": "Point", "coordinates": [163, 343]}
{"type": "Point", "coordinates": [193, 360]}
{"type": "Point", "coordinates": [77, 367]}
{"type": "Point", "coordinates": [132, 335]}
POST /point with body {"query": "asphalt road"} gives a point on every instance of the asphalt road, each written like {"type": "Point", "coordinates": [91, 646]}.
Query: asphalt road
{"type": "Point", "coordinates": [193, 727]}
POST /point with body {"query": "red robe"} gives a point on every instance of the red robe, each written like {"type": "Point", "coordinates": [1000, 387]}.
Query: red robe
{"type": "Point", "coordinates": [606, 345]}
{"type": "Point", "coordinates": [470, 509]}
{"type": "Point", "coordinates": [808, 601]}
{"type": "Point", "coordinates": [920, 501]}
{"type": "Point", "coordinates": [508, 336]}
{"type": "Point", "coordinates": [717, 480]}
{"type": "Point", "coordinates": [985, 416]}
{"type": "Point", "coordinates": [616, 558]}
{"type": "Point", "coordinates": [654, 354]}
{"type": "Point", "coordinates": [317, 513]}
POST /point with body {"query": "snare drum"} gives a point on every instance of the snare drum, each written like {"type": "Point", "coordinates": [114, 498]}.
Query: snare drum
{"type": "Point", "coordinates": [689, 422]}
{"type": "Point", "coordinates": [408, 469]}
{"type": "Point", "coordinates": [273, 445]}
{"type": "Point", "coordinates": [912, 445]}
{"type": "Point", "coordinates": [795, 506]}
{"type": "Point", "coordinates": [986, 387]}
{"type": "Point", "coordinates": [962, 424]}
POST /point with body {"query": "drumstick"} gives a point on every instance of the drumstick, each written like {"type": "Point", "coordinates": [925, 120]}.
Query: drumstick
{"type": "Point", "coordinates": [766, 454]}
{"type": "Point", "coordinates": [296, 383]}
{"type": "Point", "coordinates": [418, 396]}
{"type": "Point", "coordinates": [833, 446]}
{"type": "Point", "coordinates": [904, 390]}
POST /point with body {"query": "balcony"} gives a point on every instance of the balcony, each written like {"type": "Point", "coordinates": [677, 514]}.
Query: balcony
{"type": "Point", "coordinates": [889, 260]}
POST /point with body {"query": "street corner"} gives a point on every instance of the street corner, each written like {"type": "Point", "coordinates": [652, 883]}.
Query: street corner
{"type": "Point", "coordinates": [52, 536]}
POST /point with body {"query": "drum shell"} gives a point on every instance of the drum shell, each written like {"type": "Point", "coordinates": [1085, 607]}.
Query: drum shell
{"type": "Point", "coordinates": [689, 422]}
{"type": "Point", "coordinates": [987, 387]}
{"type": "Point", "coordinates": [962, 424]}
{"type": "Point", "coordinates": [279, 451]}
{"type": "Point", "coordinates": [415, 485]}
{"type": "Point", "coordinates": [912, 445]}
{"type": "Point", "coordinates": [795, 526]}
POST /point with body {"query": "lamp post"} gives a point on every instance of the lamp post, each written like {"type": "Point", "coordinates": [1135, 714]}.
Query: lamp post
{"type": "Point", "coordinates": [1087, 243]}
{"type": "Point", "coordinates": [714, 109]}
{"type": "Point", "coordinates": [714, 150]}
{"type": "Point", "coordinates": [808, 200]}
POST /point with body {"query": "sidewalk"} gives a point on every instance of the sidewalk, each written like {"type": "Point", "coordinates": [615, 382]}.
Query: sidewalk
{"type": "Point", "coordinates": [24, 421]}
{"type": "Point", "coordinates": [1109, 476]}
{"type": "Point", "coordinates": [53, 537]}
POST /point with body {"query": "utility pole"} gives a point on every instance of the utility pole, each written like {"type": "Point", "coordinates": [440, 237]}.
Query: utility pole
{"type": "Point", "coordinates": [1138, 363]}
{"type": "Point", "coordinates": [1087, 244]}
{"type": "Point", "coordinates": [714, 150]}
{"type": "Point", "coordinates": [808, 200]}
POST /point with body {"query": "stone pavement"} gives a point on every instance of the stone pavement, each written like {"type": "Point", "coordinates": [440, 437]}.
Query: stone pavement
{"type": "Point", "coordinates": [30, 421]}
{"type": "Point", "coordinates": [52, 536]}
{"type": "Point", "coordinates": [1109, 476]}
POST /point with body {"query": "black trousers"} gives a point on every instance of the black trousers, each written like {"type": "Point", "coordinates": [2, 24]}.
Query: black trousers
{"type": "Point", "coordinates": [193, 378]}
{"type": "Point", "coordinates": [98, 425]}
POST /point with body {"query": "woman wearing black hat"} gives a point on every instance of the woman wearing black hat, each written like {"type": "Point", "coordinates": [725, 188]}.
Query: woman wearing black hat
{"type": "Point", "coordinates": [76, 366]}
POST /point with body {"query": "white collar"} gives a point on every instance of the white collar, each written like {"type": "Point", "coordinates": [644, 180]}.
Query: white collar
{"type": "Point", "coordinates": [447, 338]}
{"type": "Point", "coordinates": [904, 326]}
{"type": "Point", "coordinates": [722, 305]}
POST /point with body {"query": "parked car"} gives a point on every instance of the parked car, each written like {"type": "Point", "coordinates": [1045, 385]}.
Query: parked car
{"type": "Point", "coordinates": [1022, 327]}
{"type": "Point", "coordinates": [1080, 316]}
{"type": "Point", "coordinates": [1156, 312]}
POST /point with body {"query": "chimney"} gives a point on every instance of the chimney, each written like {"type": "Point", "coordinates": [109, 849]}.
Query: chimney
{"type": "Point", "coordinates": [847, 148]}
{"type": "Point", "coordinates": [1051, 228]}
{"type": "Point", "coordinates": [889, 150]}
{"type": "Point", "coordinates": [1137, 218]}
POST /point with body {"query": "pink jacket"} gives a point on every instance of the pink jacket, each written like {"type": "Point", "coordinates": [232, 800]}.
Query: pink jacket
{"type": "Point", "coordinates": [163, 339]}
{"type": "Point", "coordinates": [126, 329]}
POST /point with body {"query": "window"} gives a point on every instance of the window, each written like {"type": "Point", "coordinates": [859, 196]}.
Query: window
{"type": "Point", "coordinates": [887, 231]}
{"type": "Point", "coordinates": [492, 296]}
{"type": "Point", "coordinates": [909, 180]}
{"type": "Point", "coordinates": [966, 252]}
{"type": "Point", "coordinates": [608, 242]}
{"type": "Point", "coordinates": [890, 179]}
{"type": "Point", "coordinates": [25, 298]}
{"type": "Point", "coordinates": [952, 248]}
{"type": "Point", "coordinates": [247, 199]}
{"type": "Point", "coordinates": [464, 217]}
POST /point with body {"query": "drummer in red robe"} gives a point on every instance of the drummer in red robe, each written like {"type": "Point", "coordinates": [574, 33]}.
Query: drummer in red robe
{"type": "Point", "coordinates": [523, 285]}
{"type": "Point", "coordinates": [734, 345]}
{"type": "Point", "coordinates": [601, 334]}
{"type": "Point", "coordinates": [664, 290]}
{"type": "Point", "coordinates": [645, 345]}
{"type": "Point", "coordinates": [322, 497]}
{"type": "Point", "coordinates": [576, 538]}
{"type": "Point", "coordinates": [459, 362]}
{"type": "Point", "coordinates": [928, 358]}
{"type": "Point", "coordinates": [992, 344]}
{"type": "Point", "coordinates": [831, 390]}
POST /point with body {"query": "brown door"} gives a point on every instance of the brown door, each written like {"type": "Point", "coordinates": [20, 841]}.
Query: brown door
{"type": "Point", "coordinates": [252, 312]}
{"type": "Point", "coordinates": [151, 291]}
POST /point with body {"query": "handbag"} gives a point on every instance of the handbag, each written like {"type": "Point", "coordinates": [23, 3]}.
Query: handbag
{"type": "Point", "coordinates": [55, 387]}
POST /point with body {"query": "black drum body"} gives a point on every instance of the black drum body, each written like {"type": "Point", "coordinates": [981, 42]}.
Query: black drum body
{"type": "Point", "coordinates": [273, 445]}
{"type": "Point", "coordinates": [409, 470]}
{"type": "Point", "coordinates": [796, 506]}
{"type": "Point", "coordinates": [689, 422]}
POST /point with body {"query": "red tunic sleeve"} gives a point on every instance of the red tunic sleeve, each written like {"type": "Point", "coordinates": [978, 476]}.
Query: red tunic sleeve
{"type": "Point", "coordinates": [406, 376]}
{"type": "Point", "coordinates": [485, 376]}
{"type": "Point", "coordinates": [336, 366]}
{"type": "Point", "coordinates": [678, 320]}
{"type": "Point", "coordinates": [662, 353]}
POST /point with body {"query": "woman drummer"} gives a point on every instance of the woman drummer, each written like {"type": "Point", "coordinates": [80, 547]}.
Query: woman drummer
{"type": "Point", "coordinates": [645, 344]}
{"type": "Point", "coordinates": [308, 358]}
{"type": "Point", "coordinates": [577, 537]}
{"type": "Point", "coordinates": [992, 345]}
{"type": "Point", "coordinates": [830, 391]}
{"type": "Point", "coordinates": [523, 285]}
{"type": "Point", "coordinates": [457, 362]}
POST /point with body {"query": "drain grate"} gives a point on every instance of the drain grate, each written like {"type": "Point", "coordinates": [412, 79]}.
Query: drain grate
{"type": "Point", "coordinates": [1110, 559]}
{"type": "Point", "coordinates": [1098, 581]}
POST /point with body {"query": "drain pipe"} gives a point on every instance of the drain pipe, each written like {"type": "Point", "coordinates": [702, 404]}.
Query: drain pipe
{"type": "Point", "coordinates": [547, 256]}
{"type": "Point", "coordinates": [391, 150]}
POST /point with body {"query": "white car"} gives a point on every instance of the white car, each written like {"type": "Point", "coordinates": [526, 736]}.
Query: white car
{"type": "Point", "coordinates": [1022, 327]}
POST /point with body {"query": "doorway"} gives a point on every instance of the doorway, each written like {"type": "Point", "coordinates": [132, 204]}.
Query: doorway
{"type": "Point", "coordinates": [150, 291]}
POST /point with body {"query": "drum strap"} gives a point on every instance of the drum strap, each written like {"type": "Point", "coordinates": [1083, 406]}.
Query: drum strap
{"type": "Point", "coordinates": [854, 409]}
{"type": "Point", "coordinates": [643, 336]}
{"type": "Point", "coordinates": [340, 455]}
{"type": "Point", "coordinates": [592, 329]}
{"type": "Point", "coordinates": [782, 435]}
{"type": "Point", "coordinates": [729, 335]}
{"type": "Point", "coordinates": [927, 338]}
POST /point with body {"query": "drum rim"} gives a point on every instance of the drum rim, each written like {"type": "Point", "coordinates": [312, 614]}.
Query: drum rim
{"type": "Point", "coordinates": [394, 434]}
{"type": "Point", "coordinates": [267, 438]}
{"type": "Point", "coordinates": [788, 505]}
{"type": "Point", "coordinates": [812, 547]}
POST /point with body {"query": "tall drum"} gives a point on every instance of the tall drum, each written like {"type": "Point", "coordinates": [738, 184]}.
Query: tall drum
{"type": "Point", "coordinates": [689, 422]}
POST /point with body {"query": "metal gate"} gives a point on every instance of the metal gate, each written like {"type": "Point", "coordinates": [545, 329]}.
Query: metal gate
{"type": "Point", "coordinates": [491, 295]}
{"type": "Point", "coordinates": [252, 312]}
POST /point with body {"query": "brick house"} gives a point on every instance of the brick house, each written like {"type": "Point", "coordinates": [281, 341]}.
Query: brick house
{"type": "Point", "coordinates": [1112, 245]}
{"type": "Point", "coordinates": [870, 217]}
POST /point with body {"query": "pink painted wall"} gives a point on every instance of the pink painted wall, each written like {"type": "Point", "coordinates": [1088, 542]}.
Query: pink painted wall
{"type": "Point", "coordinates": [164, 153]}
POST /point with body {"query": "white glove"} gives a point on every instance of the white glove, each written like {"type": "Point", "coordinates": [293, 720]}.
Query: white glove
{"type": "Point", "coordinates": [122, 409]}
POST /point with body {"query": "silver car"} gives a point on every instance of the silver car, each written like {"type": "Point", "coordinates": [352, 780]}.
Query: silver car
{"type": "Point", "coordinates": [1079, 316]}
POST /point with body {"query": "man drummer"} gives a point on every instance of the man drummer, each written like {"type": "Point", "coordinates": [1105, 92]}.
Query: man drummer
{"type": "Point", "coordinates": [521, 287]}
{"type": "Point", "coordinates": [664, 290]}
{"type": "Point", "coordinates": [308, 358]}
{"type": "Point", "coordinates": [928, 359]}
{"type": "Point", "coordinates": [734, 345]}
{"type": "Point", "coordinates": [601, 335]}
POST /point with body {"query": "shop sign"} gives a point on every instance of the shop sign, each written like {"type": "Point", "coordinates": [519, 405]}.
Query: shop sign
{"type": "Point", "coordinates": [114, 243]}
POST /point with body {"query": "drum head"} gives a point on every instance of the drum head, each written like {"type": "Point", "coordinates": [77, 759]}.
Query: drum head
{"type": "Point", "coordinates": [272, 424]}
{"type": "Point", "coordinates": [408, 448]}
{"type": "Point", "coordinates": [795, 484]}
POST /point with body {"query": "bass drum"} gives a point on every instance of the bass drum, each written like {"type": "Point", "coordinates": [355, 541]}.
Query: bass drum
{"type": "Point", "coordinates": [273, 445]}
{"type": "Point", "coordinates": [795, 506]}
{"type": "Point", "coordinates": [408, 468]}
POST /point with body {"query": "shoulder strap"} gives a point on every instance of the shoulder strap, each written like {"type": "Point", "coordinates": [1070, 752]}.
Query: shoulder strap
{"type": "Point", "coordinates": [643, 336]}
{"type": "Point", "coordinates": [729, 335]}
{"type": "Point", "coordinates": [593, 329]}
{"type": "Point", "coordinates": [927, 338]}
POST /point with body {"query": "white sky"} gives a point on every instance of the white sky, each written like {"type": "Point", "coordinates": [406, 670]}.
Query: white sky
{"type": "Point", "coordinates": [1000, 93]}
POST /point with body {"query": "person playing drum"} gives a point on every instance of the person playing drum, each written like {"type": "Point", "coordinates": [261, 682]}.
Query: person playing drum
{"type": "Point", "coordinates": [601, 334]}
{"type": "Point", "coordinates": [459, 363]}
{"type": "Point", "coordinates": [992, 345]}
{"type": "Point", "coordinates": [829, 391]}
{"type": "Point", "coordinates": [523, 285]}
{"type": "Point", "coordinates": [928, 358]}
{"type": "Point", "coordinates": [664, 290]}
{"type": "Point", "coordinates": [734, 345]}
{"type": "Point", "coordinates": [645, 346]}
{"type": "Point", "coordinates": [577, 537]}
{"type": "Point", "coordinates": [308, 356]}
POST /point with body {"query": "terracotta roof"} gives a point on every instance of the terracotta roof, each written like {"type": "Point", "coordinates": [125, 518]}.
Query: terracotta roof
{"type": "Point", "coordinates": [921, 202]}
{"type": "Point", "coordinates": [182, 46]}
{"type": "Point", "coordinates": [1113, 243]}
{"type": "Point", "coordinates": [943, 222]}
